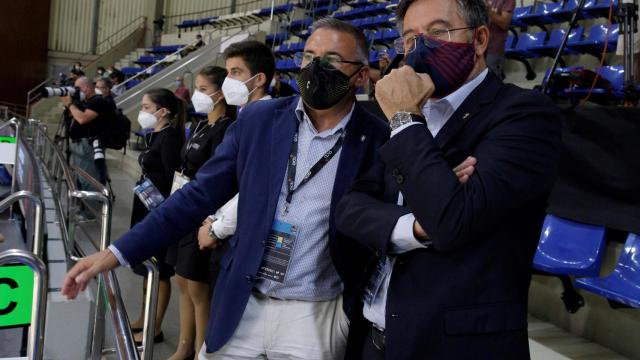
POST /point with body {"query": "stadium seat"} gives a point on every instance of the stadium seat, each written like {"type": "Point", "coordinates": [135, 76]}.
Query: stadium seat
{"type": "Point", "coordinates": [569, 247]}
{"type": "Point", "coordinates": [359, 3]}
{"type": "Point", "coordinates": [276, 38]}
{"type": "Point", "coordinates": [518, 13]}
{"type": "Point", "coordinates": [541, 14]}
{"type": "Point", "coordinates": [167, 49]}
{"type": "Point", "coordinates": [555, 39]}
{"type": "Point", "coordinates": [614, 75]}
{"type": "Point", "coordinates": [599, 8]}
{"type": "Point", "coordinates": [280, 9]}
{"type": "Point", "coordinates": [594, 43]}
{"type": "Point", "coordinates": [130, 71]}
{"type": "Point", "coordinates": [524, 43]}
{"type": "Point", "coordinates": [299, 24]}
{"type": "Point", "coordinates": [623, 285]}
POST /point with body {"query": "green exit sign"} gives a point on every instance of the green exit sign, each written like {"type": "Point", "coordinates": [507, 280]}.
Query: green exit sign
{"type": "Point", "coordinates": [7, 139]}
{"type": "Point", "coordinates": [16, 295]}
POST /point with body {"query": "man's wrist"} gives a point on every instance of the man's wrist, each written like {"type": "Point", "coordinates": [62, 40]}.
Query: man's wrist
{"type": "Point", "coordinates": [402, 118]}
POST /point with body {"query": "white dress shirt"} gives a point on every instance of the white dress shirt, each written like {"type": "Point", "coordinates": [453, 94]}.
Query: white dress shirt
{"type": "Point", "coordinates": [437, 113]}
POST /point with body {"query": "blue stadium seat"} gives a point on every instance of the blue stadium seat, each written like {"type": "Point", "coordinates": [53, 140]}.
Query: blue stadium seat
{"type": "Point", "coordinates": [541, 14]}
{"type": "Point", "coordinates": [130, 71]}
{"type": "Point", "coordinates": [277, 38]}
{"type": "Point", "coordinates": [613, 74]}
{"type": "Point", "coordinates": [623, 285]}
{"type": "Point", "coordinates": [555, 39]}
{"type": "Point", "coordinates": [388, 35]}
{"type": "Point", "coordinates": [518, 13]}
{"type": "Point", "coordinates": [133, 83]}
{"type": "Point", "coordinates": [280, 9]}
{"type": "Point", "coordinates": [359, 3]}
{"type": "Point", "coordinates": [569, 247]}
{"type": "Point", "coordinates": [508, 42]}
{"type": "Point", "coordinates": [524, 43]}
{"type": "Point", "coordinates": [600, 8]}
{"type": "Point", "coordinates": [325, 10]}
{"type": "Point", "coordinates": [167, 49]}
{"type": "Point", "coordinates": [299, 24]}
{"type": "Point", "coordinates": [594, 43]}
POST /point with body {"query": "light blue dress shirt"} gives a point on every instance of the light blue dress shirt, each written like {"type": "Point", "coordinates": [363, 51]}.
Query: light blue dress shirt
{"type": "Point", "coordinates": [311, 275]}
{"type": "Point", "coordinates": [437, 113]}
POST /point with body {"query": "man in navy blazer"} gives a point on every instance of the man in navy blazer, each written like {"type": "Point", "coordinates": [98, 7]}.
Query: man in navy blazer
{"type": "Point", "coordinates": [454, 258]}
{"type": "Point", "coordinates": [272, 145]}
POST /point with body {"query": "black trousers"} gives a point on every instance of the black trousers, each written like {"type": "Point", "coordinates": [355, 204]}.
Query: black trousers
{"type": "Point", "coordinates": [370, 351]}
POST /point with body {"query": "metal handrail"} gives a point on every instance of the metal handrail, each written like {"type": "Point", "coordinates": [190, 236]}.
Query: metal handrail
{"type": "Point", "coordinates": [31, 99]}
{"type": "Point", "coordinates": [39, 225]}
{"type": "Point", "coordinates": [108, 283]}
{"type": "Point", "coordinates": [35, 350]}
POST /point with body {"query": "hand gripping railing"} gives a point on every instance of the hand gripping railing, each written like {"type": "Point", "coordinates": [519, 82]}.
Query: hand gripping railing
{"type": "Point", "coordinates": [39, 307]}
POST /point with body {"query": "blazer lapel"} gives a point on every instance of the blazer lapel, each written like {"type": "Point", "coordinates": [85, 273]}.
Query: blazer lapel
{"type": "Point", "coordinates": [355, 143]}
{"type": "Point", "coordinates": [284, 125]}
{"type": "Point", "coordinates": [471, 106]}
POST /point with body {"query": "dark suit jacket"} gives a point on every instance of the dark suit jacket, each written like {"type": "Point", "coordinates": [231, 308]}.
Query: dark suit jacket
{"type": "Point", "coordinates": [465, 296]}
{"type": "Point", "coordinates": [252, 159]}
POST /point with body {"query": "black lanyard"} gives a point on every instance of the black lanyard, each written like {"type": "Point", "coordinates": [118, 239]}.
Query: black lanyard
{"type": "Point", "coordinates": [293, 163]}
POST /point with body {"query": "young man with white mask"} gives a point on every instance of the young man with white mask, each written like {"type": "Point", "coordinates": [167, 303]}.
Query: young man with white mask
{"type": "Point", "coordinates": [251, 66]}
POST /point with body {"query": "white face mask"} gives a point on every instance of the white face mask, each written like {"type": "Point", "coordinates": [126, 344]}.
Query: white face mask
{"type": "Point", "coordinates": [147, 120]}
{"type": "Point", "coordinates": [202, 102]}
{"type": "Point", "coordinates": [82, 96]}
{"type": "Point", "coordinates": [273, 83]}
{"type": "Point", "coordinates": [98, 91]}
{"type": "Point", "coordinates": [236, 92]}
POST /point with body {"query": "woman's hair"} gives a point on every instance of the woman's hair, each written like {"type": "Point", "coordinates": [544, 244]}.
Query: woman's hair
{"type": "Point", "coordinates": [164, 98]}
{"type": "Point", "coordinates": [215, 75]}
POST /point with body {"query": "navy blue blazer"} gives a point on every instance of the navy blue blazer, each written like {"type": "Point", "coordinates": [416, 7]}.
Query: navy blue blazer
{"type": "Point", "coordinates": [252, 160]}
{"type": "Point", "coordinates": [465, 296]}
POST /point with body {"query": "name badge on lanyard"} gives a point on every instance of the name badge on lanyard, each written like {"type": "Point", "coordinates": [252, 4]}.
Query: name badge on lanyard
{"type": "Point", "coordinates": [277, 251]}
{"type": "Point", "coordinates": [179, 180]}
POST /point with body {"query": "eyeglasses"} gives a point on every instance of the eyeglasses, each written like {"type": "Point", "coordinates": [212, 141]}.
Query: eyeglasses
{"type": "Point", "coordinates": [331, 61]}
{"type": "Point", "coordinates": [431, 38]}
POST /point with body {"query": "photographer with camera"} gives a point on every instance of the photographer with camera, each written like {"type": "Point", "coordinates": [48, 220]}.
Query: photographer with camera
{"type": "Point", "coordinates": [86, 116]}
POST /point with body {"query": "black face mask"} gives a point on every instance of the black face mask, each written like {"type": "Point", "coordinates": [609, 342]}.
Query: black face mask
{"type": "Point", "coordinates": [322, 85]}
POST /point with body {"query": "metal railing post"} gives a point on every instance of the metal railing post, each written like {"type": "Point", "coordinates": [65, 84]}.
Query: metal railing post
{"type": "Point", "coordinates": [35, 350]}
{"type": "Point", "coordinates": [150, 308]}
{"type": "Point", "coordinates": [39, 219]}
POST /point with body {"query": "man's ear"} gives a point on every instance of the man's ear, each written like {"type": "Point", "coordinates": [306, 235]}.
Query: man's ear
{"type": "Point", "coordinates": [481, 40]}
{"type": "Point", "coordinates": [362, 77]}
{"type": "Point", "coordinates": [261, 80]}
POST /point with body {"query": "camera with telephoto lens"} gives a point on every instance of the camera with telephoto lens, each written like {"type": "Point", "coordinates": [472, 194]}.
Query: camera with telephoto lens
{"type": "Point", "coordinates": [50, 91]}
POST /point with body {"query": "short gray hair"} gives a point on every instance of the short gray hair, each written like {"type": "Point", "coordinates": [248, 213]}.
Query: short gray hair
{"type": "Point", "coordinates": [362, 46]}
{"type": "Point", "coordinates": [474, 12]}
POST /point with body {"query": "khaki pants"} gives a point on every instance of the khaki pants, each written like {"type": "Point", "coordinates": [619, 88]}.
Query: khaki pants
{"type": "Point", "coordinates": [287, 329]}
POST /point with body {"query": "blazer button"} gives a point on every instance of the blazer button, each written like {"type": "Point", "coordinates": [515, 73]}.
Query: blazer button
{"type": "Point", "coordinates": [399, 179]}
{"type": "Point", "coordinates": [249, 279]}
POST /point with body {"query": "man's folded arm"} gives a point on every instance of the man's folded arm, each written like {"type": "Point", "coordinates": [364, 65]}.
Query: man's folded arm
{"type": "Point", "coordinates": [518, 163]}
{"type": "Point", "coordinates": [363, 216]}
{"type": "Point", "coordinates": [184, 211]}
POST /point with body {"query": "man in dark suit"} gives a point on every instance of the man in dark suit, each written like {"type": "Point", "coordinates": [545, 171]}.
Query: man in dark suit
{"type": "Point", "coordinates": [454, 258]}
{"type": "Point", "coordinates": [280, 290]}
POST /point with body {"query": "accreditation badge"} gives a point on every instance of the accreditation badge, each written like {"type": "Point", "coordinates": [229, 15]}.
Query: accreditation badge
{"type": "Point", "coordinates": [278, 250]}
{"type": "Point", "coordinates": [179, 180]}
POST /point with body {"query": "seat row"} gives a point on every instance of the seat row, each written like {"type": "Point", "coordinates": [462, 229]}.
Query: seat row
{"type": "Point", "coordinates": [568, 247]}
{"type": "Point", "coordinates": [543, 13]}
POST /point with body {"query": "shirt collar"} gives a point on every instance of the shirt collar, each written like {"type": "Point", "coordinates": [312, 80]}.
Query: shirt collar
{"type": "Point", "coordinates": [456, 98]}
{"type": "Point", "coordinates": [301, 115]}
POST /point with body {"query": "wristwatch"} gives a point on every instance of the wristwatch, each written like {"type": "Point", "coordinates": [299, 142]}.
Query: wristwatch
{"type": "Point", "coordinates": [403, 117]}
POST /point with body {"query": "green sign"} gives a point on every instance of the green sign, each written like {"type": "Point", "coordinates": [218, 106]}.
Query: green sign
{"type": "Point", "coordinates": [16, 295]}
{"type": "Point", "coordinates": [8, 139]}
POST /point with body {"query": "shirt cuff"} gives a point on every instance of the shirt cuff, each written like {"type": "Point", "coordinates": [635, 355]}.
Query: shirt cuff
{"type": "Point", "coordinates": [114, 250]}
{"type": "Point", "coordinates": [402, 238]}
{"type": "Point", "coordinates": [396, 131]}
